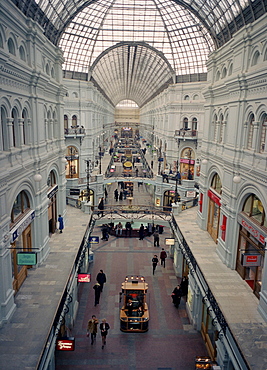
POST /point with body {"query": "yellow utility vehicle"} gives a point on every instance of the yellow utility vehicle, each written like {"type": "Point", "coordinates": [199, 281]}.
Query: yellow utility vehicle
{"type": "Point", "coordinates": [134, 314]}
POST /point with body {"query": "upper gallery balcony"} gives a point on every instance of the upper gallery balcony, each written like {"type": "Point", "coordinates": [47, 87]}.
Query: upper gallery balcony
{"type": "Point", "coordinates": [186, 134]}
{"type": "Point", "coordinates": [74, 132]}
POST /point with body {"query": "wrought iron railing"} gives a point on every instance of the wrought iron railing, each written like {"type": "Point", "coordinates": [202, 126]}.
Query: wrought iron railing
{"type": "Point", "coordinates": [208, 297]}
{"type": "Point", "coordinates": [65, 300]}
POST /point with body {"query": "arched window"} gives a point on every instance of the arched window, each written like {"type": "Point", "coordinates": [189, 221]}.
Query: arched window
{"type": "Point", "coordinates": [51, 180]}
{"type": "Point", "coordinates": [194, 124]}
{"type": "Point", "coordinates": [66, 122]}
{"type": "Point", "coordinates": [15, 128]}
{"type": "Point", "coordinates": [47, 69]}
{"type": "Point", "coordinates": [218, 76]}
{"type": "Point", "coordinates": [255, 58]}
{"type": "Point", "coordinates": [224, 72]}
{"type": "Point", "coordinates": [250, 130]}
{"type": "Point", "coordinates": [263, 136]}
{"type": "Point", "coordinates": [74, 121]}
{"type": "Point", "coordinates": [1, 42]}
{"type": "Point", "coordinates": [52, 72]}
{"type": "Point", "coordinates": [196, 97]}
{"type": "Point", "coordinates": [265, 56]}
{"type": "Point", "coordinates": [221, 129]}
{"type": "Point", "coordinates": [216, 183]}
{"type": "Point", "coordinates": [25, 131]}
{"type": "Point", "coordinates": [185, 123]}
{"type": "Point", "coordinates": [22, 129]}
{"type": "Point", "coordinates": [20, 206]}
{"type": "Point", "coordinates": [253, 208]}
{"type": "Point", "coordinates": [22, 53]}
{"type": "Point", "coordinates": [215, 125]}
{"type": "Point", "coordinates": [186, 97]}
{"type": "Point", "coordinates": [5, 143]}
{"type": "Point", "coordinates": [11, 46]}
{"type": "Point", "coordinates": [230, 70]}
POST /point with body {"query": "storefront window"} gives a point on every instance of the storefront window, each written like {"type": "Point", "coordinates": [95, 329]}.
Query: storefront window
{"type": "Point", "coordinates": [252, 234]}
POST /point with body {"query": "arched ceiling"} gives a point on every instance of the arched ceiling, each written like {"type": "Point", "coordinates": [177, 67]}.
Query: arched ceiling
{"type": "Point", "coordinates": [139, 72]}
{"type": "Point", "coordinates": [133, 48]}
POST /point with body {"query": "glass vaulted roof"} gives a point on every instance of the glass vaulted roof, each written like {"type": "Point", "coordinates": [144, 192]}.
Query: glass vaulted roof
{"type": "Point", "coordinates": [132, 49]}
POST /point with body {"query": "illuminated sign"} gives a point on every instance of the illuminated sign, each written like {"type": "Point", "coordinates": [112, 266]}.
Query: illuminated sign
{"type": "Point", "coordinates": [84, 278]}
{"type": "Point", "coordinates": [169, 241]}
{"type": "Point", "coordinates": [67, 344]}
{"type": "Point", "coordinates": [94, 239]}
{"type": "Point", "coordinates": [214, 198]}
{"type": "Point", "coordinates": [26, 258]}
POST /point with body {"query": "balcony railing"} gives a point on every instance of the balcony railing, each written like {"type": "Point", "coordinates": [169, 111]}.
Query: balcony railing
{"type": "Point", "coordinates": [186, 134]}
{"type": "Point", "coordinates": [77, 131]}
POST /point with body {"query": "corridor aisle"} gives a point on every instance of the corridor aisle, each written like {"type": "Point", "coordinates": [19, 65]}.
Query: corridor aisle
{"type": "Point", "coordinates": [170, 343]}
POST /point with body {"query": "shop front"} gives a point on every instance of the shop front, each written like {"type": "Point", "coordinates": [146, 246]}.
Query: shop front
{"type": "Point", "coordinates": [214, 207]}
{"type": "Point", "coordinates": [21, 237]}
{"type": "Point", "coordinates": [251, 243]}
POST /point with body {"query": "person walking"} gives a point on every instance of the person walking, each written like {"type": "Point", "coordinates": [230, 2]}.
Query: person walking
{"type": "Point", "coordinates": [101, 207]}
{"type": "Point", "coordinates": [92, 328]}
{"type": "Point", "coordinates": [184, 286]}
{"type": "Point", "coordinates": [101, 279]}
{"type": "Point", "coordinates": [116, 194]}
{"type": "Point", "coordinates": [97, 289]}
{"type": "Point", "coordinates": [176, 295]}
{"type": "Point", "coordinates": [60, 223]}
{"type": "Point", "coordinates": [154, 262]}
{"type": "Point", "coordinates": [104, 327]}
{"type": "Point", "coordinates": [163, 256]}
{"type": "Point", "coordinates": [156, 238]}
{"type": "Point", "coordinates": [141, 232]}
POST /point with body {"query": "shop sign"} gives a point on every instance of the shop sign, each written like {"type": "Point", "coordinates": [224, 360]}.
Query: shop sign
{"type": "Point", "coordinates": [21, 226]}
{"type": "Point", "coordinates": [94, 239]}
{"type": "Point", "coordinates": [253, 229]}
{"type": "Point", "coordinates": [52, 192]}
{"type": "Point", "coordinates": [251, 259]}
{"type": "Point", "coordinates": [84, 278]}
{"type": "Point", "coordinates": [67, 344]}
{"type": "Point", "coordinates": [157, 202]}
{"type": "Point", "coordinates": [214, 198]}
{"type": "Point", "coordinates": [191, 194]}
{"type": "Point", "coordinates": [26, 258]}
{"type": "Point", "coordinates": [169, 241]}
{"type": "Point", "coordinates": [187, 161]}
{"type": "Point", "coordinates": [74, 191]}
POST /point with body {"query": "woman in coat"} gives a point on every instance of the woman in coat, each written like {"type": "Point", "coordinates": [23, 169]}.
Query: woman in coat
{"type": "Point", "coordinates": [104, 327]}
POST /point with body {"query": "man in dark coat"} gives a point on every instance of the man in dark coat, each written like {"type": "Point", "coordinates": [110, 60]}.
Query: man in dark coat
{"type": "Point", "coordinates": [101, 279]}
{"type": "Point", "coordinates": [97, 289]}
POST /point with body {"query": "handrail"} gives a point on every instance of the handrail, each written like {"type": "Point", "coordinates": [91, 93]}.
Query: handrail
{"type": "Point", "coordinates": [65, 299]}
{"type": "Point", "coordinates": [208, 296]}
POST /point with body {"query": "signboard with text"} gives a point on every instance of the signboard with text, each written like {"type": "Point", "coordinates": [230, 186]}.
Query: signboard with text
{"type": "Point", "coordinates": [26, 258]}
{"type": "Point", "coordinates": [66, 344]}
{"type": "Point", "coordinates": [84, 278]}
{"type": "Point", "coordinates": [251, 259]}
{"type": "Point", "coordinates": [169, 241]}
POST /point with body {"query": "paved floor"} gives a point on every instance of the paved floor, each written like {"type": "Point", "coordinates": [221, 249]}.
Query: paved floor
{"type": "Point", "coordinates": [170, 343]}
